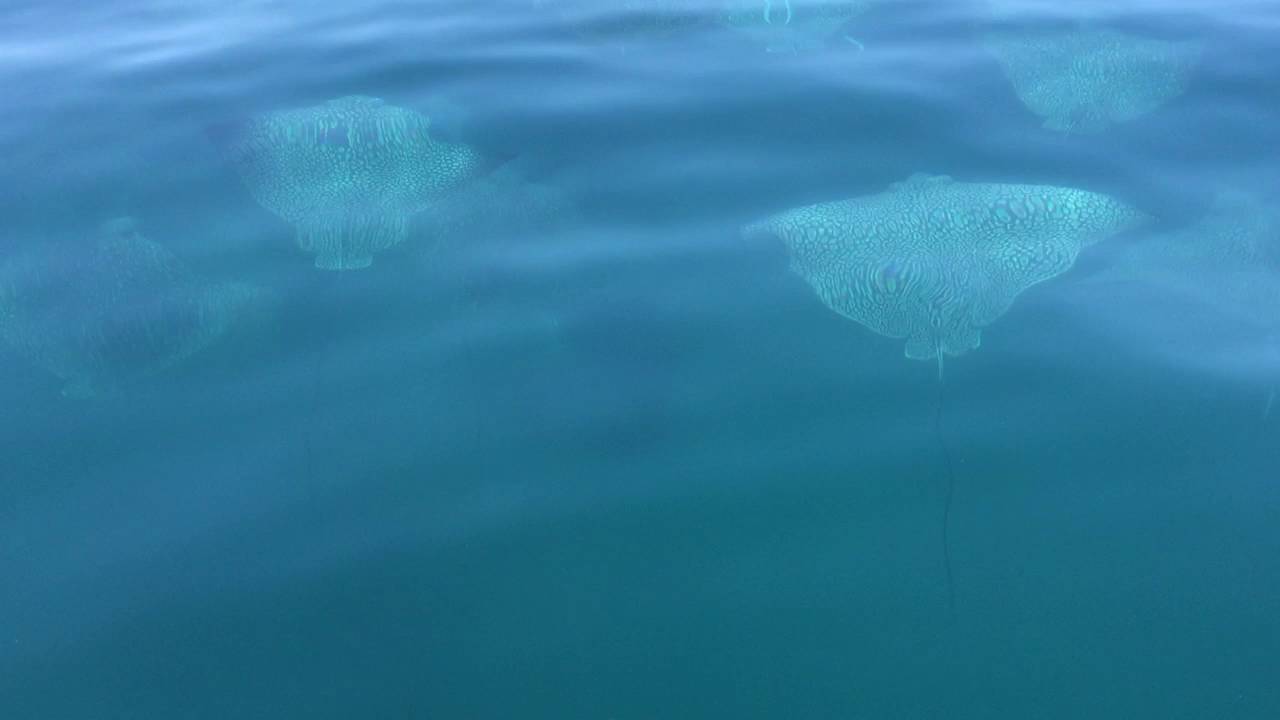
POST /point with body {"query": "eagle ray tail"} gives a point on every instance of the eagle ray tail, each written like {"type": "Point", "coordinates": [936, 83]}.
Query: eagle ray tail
{"type": "Point", "coordinates": [948, 491]}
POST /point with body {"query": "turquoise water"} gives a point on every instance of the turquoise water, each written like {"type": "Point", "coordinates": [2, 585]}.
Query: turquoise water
{"type": "Point", "coordinates": [593, 453]}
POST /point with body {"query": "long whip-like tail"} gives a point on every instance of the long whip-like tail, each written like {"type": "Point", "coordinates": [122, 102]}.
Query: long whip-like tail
{"type": "Point", "coordinates": [1271, 389]}
{"type": "Point", "coordinates": [322, 350]}
{"type": "Point", "coordinates": [949, 489]}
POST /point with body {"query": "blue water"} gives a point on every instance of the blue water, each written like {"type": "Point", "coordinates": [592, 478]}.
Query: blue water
{"type": "Point", "coordinates": [623, 464]}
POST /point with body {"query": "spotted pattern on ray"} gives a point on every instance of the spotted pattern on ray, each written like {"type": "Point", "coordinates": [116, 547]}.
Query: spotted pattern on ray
{"type": "Point", "coordinates": [121, 309]}
{"type": "Point", "coordinates": [348, 174]}
{"type": "Point", "coordinates": [934, 261]}
{"type": "Point", "coordinates": [793, 25]}
{"type": "Point", "coordinates": [1085, 80]}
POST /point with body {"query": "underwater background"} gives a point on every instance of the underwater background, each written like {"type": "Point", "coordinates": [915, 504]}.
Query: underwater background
{"type": "Point", "coordinates": [608, 458]}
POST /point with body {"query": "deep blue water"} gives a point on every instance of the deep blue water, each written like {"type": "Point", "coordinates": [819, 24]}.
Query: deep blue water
{"type": "Point", "coordinates": [621, 463]}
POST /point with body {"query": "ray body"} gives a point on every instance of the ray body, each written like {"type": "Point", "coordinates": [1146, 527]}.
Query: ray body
{"type": "Point", "coordinates": [1085, 80]}
{"type": "Point", "coordinates": [348, 174]}
{"type": "Point", "coordinates": [793, 25]}
{"type": "Point", "coordinates": [934, 261]}
{"type": "Point", "coordinates": [102, 316]}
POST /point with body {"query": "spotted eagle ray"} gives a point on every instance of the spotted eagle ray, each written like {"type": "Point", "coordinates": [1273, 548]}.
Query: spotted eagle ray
{"type": "Point", "coordinates": [793, 25]}
{"type": "Point", "coordinates": [348, 174]}
{"type": "Point", "coordinates": [934, 261]}
{"type": "Point", "coordinates": [1085, 80]}
{"type": "Point", "coordinates": [103, 316]}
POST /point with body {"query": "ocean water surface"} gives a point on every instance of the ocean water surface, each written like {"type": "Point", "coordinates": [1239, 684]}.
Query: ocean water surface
{"type": "Point", "coordinates": [575, 445]}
